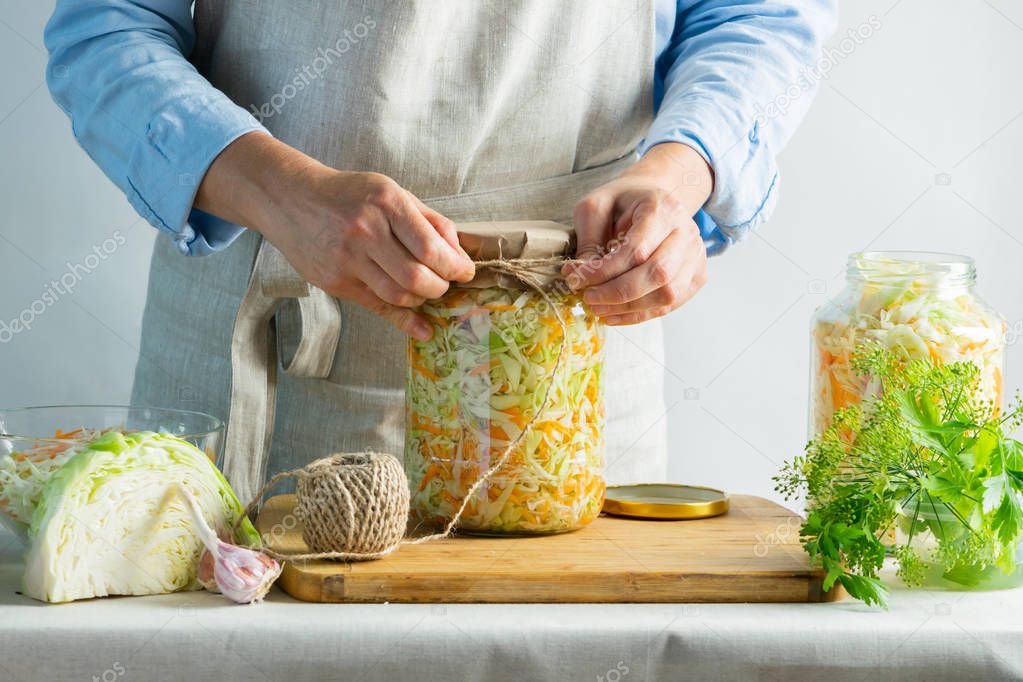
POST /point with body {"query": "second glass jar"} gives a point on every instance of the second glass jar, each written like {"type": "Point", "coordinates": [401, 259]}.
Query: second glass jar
{"type": "Point", "coordinates": [916, 305]}
{"type": "Point", "coordinates": [474, 387]}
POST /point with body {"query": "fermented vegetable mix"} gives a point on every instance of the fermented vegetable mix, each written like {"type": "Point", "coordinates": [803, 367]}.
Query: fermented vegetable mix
{"type": "Point", "coordinates": [472, 390]}
{"type": "Point", "coordinates": [915, 305]}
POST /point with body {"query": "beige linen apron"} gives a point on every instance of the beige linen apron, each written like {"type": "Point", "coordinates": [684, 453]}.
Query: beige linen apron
{"type": "Point", "coordinates": [485, 110]}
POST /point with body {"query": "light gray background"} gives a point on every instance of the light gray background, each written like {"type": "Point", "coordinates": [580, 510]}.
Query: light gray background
{"type": "Point", "coordinates": [912, 144]}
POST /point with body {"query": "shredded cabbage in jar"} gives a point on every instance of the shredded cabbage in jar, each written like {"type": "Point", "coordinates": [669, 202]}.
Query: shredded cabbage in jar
{"type": "Point", "coordinates": [913, 317]}
{"type": "Point", "coordinates": [474, 386]}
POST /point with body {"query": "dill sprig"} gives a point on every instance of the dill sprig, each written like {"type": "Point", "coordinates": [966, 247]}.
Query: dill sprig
{"type": "Point", "coordinates": [923, 452]}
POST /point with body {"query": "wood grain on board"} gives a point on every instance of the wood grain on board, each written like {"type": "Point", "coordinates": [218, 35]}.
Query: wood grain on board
{"type": "Point", "coordinates": [751, 554]}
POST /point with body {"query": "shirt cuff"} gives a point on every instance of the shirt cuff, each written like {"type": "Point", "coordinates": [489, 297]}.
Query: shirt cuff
{"type": "Point", "coordinates": [745, 171]}
{"type": "Point", "coordinates": [169, 163]}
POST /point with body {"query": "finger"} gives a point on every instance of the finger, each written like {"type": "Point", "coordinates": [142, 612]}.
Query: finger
{"type": "Point", "coordinates": [388, 290]}
{"type": "Point", "coordinates": [421, 238]}
{"type": "Point", "coordinates": [406, 271]}
{"type": "Point", "coordinates": [648, 229]}
{"type": "Point", "coordinates": [444, 225]}
{"type": "Point", "coordinates": [624, 220]}
{"type": "Point", "coordinates": [592, 221]}
{"type": "Point", "coordinates": [660, 270]}
{"type": "Point", "coordinates": [405, 320]}
{"type": "Point", "coordinates": [668, 298]}
{"type": "Point", "coordinates": [635, 318]}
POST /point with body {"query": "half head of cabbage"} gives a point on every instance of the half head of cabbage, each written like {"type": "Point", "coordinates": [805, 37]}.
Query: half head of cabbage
{"type": "Point", "coordinates": [112, 522]}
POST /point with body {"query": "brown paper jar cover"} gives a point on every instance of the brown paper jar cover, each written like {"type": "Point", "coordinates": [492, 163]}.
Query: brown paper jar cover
{"type": "Point", "coordinates": [515, 240]}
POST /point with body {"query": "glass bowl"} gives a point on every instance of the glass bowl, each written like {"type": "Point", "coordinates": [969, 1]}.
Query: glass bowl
{"type": "Point", "coordinates": [55, 428]}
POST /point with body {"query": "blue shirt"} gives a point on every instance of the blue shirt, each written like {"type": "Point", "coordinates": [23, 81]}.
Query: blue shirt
{"type": "Point", "coordinates": [733, 79]}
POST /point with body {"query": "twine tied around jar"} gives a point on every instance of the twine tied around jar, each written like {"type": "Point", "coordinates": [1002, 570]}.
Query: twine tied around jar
{"type": "Point", "coordinates": [354, 506]}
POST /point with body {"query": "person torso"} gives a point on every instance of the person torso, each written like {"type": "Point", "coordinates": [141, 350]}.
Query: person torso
{"type": "Point", "coordinates": [466, 104]}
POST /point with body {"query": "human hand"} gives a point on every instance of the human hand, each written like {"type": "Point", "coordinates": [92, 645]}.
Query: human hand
{"type": "Point", "coordinates": [358, 236]}
{"type": "Point", "coordinates": [643, 251]}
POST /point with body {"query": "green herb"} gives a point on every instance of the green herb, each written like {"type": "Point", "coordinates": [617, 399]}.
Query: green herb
{"type": "Point", "coordinates": [926, 454]}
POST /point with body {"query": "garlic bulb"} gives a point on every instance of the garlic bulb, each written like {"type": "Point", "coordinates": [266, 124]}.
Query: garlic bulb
{"type": "Point", "coordinates": [241, 574]}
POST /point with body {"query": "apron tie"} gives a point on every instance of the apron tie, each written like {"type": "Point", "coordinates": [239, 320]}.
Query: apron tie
{"type": "Point", "coordinates": [265, 322]}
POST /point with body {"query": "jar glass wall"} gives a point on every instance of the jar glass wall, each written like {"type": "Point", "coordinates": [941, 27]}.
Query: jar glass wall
{"type": "Point", "coordinates": [934, 533]}
{"type": "Point", "coordinates": [473, 389]}
{"type": "Point", "coordinates": [916, 305]}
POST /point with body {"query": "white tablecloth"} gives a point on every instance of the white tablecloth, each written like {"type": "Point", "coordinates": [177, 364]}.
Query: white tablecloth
{"type": "Point", "coordinates": [198, 636]}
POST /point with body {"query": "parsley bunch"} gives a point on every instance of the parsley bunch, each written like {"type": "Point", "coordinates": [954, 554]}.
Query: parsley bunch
{"type": "Point", "coordinates": [926, 453]}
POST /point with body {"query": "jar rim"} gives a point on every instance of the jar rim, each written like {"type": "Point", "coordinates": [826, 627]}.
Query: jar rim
{"type": "Point", "coordinates": [949, 268]}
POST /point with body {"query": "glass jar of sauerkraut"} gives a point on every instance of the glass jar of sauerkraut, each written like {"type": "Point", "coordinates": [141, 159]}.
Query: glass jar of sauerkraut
{"type": "Point", "coordinates": [916, 305]}
{"type": "Point", "coordinates": [476, 392]}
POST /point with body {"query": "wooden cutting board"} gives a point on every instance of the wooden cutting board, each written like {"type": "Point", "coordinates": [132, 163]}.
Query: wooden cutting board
{"type": "Point", "coordinates": [751, 554]}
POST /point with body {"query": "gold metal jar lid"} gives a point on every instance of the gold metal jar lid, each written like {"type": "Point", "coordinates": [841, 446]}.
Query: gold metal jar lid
{"type": "Point", "coordinates": [665, 501]}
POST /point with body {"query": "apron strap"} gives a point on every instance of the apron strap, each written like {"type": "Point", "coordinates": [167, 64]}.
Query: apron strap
{"type": "Point", "coordinates": [254, 345]}
{"type": "Point", "coordinates": [546, 199]}
{"type": "Point", "coordinates": [318, 332]}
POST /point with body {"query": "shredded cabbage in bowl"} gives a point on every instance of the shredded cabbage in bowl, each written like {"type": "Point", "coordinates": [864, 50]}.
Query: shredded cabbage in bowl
{"type": "Point", "coordinates": [24, 472]}
{"type": "Point", "coordinates": [473, 387]}
{"type": "Point", "coordinates": [912, 313]}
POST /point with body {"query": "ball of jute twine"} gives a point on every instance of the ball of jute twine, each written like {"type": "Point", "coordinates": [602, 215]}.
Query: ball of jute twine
{"type": "Point", "coordinates": [369, 494]}
{"type": "Point", "coordinates": [354, 506]}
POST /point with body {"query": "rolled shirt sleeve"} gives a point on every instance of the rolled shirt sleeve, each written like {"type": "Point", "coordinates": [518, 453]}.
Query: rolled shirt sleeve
{"type": "Point", "coordinates": [154, 125]}
{"type": "Point", "coordinates": [726, 62]}
{"type": "Point", "coordinates": [143, 113]}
